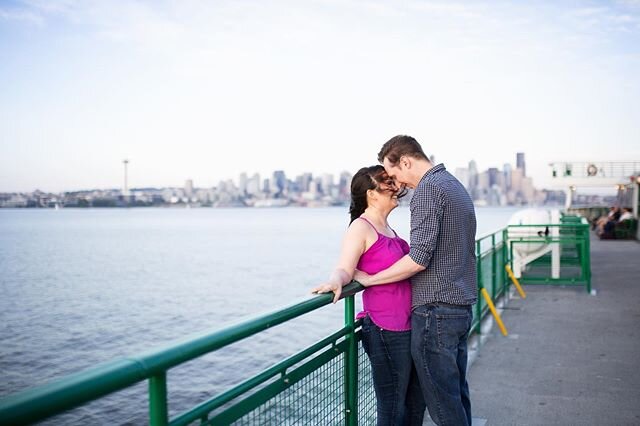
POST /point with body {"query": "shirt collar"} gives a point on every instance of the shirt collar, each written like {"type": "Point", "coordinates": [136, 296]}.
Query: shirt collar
{"type": "Point", "coordinates": [431, 171]}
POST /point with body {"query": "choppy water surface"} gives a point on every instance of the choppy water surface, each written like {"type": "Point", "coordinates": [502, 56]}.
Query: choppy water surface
{"type": "Point", "coordinates": [79, 287]}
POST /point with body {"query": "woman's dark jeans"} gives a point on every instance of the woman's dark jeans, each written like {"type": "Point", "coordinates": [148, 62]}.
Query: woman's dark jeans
{"type": "Point", "coordinates": [398, 393]}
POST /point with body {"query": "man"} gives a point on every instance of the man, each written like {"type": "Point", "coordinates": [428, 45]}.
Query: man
{"type": "Point", "coordinates": [442, 267]}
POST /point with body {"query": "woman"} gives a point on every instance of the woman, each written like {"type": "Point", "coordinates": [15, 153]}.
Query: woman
{"type": "Point", "coordinates": [370, 245]}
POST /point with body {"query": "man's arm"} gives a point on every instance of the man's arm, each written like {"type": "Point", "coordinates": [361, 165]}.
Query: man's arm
{"type": "Point", "coordinates": [402, 269]}
{"type": "Point", "coordinates": [426, 216]}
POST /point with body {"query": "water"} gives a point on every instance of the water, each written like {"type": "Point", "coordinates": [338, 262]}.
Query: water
{"type": "Point", "coordinates": [79, 287]}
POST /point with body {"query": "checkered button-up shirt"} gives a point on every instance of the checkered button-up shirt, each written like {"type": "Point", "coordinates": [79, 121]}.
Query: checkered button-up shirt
{"type": "Point", "coordinates": [443, 230]}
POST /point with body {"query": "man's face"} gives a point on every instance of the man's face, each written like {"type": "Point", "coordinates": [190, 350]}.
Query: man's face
{"type": "Point", "coordinates": [397, 172]}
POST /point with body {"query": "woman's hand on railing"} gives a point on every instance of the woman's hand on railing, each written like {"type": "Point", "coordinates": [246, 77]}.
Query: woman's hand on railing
{"type": "Point", "coordinates": [331, 286]}
{"type": "Point", "coordinates": [338, 278]}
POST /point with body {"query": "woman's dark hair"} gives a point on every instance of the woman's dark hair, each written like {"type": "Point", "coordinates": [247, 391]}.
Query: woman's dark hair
{"type": "Point", "coordinates": [365, 179]}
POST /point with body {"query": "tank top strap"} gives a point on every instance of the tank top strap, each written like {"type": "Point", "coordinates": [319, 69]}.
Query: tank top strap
{"type": "Point", "coordinates": [370, 224]}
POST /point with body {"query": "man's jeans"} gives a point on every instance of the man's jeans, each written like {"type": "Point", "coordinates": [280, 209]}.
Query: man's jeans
{"type": "Point", "coordinates": [439, 349]}
{"type": "Point", "coordinates": [398, 394]}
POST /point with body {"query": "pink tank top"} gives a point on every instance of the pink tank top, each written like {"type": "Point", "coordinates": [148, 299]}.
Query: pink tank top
{"type": "Point", "coordinates": [388, 305]}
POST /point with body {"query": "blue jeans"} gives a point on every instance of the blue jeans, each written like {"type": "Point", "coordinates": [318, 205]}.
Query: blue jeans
{"type": "Point", "coordinates": [398, 393]}
{"type": "Point", "coordinates": [439, 349]}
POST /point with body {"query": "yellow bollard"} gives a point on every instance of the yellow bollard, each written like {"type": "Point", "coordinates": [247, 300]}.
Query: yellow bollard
{"type": "Point", "coordinates": [492, 308]}
{"type": "Point", "coordinates": [515, 282]}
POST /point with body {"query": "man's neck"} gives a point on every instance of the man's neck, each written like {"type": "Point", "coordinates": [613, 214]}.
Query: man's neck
{"type": "Point", "coordinates": [421, 168]}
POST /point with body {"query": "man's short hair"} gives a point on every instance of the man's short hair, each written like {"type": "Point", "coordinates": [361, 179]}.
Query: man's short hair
{"type": "Point", "coordinates": [398, 146]}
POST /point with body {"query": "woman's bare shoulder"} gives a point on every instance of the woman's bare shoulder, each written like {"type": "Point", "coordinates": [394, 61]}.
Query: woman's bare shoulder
{"type": "Point", "coordinates": [360, 229]}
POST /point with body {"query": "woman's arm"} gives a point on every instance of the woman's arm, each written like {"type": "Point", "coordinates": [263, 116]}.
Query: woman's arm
{"type": "Point", "coordinates": [353, 245]}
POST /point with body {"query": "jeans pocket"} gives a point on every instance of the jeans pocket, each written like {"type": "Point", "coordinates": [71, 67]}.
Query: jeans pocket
{"type": "Point", "coordinates": [422, 311]}
{"type": "Point", "coordinates": [451, 329]}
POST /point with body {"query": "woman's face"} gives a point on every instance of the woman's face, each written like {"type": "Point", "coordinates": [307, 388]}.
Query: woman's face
{"type": "Point", "coordinates": [388, 191]}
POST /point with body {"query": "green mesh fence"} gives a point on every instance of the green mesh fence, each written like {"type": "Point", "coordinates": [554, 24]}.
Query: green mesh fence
{"type": "Point", "coordinates": [366, 394]}
{"type": "Point", "coordinates": [318, 398]}
{"type": "Point", "coordinates": [574, 261]}
{"type": "Point", "coordinates": [491, 259]}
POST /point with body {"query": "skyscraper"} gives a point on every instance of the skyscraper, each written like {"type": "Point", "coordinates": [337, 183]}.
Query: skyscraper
{"type": "Point", "coordinates": [345, 183]}
{"type": "Point", "coordinates": [493, 176]}
{"type": "Point", "coordinates": [307, 179]}
{"type": "Point", "coordinates": [253, 185]}
{"type": "Point", "coordinates": [462, 174]}
{"type": "Point", "coordinates": [473, 179]}
{"type": "Point", "coordinates": [243, 182]}
{"type": "Point", "coordinates": [278, 182]}
{"type": "Point", "coordinates": [506, 171]}
{"type": "Point", "coordinates": [188, 187]}
{"type": "Point", "coordinates": [520, 163]}
{"type": "Point", "coordinates": [327, 183]}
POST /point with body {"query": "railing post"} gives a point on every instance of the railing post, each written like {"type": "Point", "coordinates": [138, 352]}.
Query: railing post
{"type": "Point", "coordinates": [158, 400]}
{"type": "Point", "coordinates": [586, 260]}
{"type": "Point", "coordinates": [480, 284]}
{"type": "Point", "coordinates": [351, 365]}
{"type": "Point", "coordinates": [494, 272]}
{"type": "Point", "coordinates": [505, 260]}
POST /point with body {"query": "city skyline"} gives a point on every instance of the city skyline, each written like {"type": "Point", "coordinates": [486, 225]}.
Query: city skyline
{"type": "Point", "coordinates": [491, 187]}
{"type": "Point", "coordinates": [207, 90]}
{"type": "Point", "coordinates": [488, 177]}
{"type": "Point", "coordinates": [124, 185]}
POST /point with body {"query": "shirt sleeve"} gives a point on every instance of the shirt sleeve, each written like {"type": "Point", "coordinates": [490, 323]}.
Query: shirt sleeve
{"type": "Point", "coordinates": [426, 217]}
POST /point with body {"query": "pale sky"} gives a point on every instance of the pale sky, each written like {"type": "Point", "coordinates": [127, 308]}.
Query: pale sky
{"type": "Point", "coordinates": [204, 90]}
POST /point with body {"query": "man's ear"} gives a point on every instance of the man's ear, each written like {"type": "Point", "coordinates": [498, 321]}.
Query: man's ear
{"type": "Point", "coordinates": [405, 161]}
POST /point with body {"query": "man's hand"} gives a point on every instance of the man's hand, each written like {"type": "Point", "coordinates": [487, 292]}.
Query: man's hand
{"type": "Point", "coordinates": [362, 277]}
{"type": "Point", "coordinates": [327, 287]}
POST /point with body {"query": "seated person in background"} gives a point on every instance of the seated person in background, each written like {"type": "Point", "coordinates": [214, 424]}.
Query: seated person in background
{"type": "Point", "coordinates": [603, 220]}
{"type": "Point", "coordinates": [626, 214]}
{"type": "Point", "coordinates": [599, 223]}
{"type": "Point", "coordinates": [609, 227]}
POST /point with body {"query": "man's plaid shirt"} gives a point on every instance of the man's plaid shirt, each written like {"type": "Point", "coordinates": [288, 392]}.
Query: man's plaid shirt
{"type": "Point", "coordinates": [443, 232]}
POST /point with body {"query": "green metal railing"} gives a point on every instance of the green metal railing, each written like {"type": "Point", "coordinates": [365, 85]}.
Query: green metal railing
{"type": "Point", "coordinates": [231, 406]}
{"type": "Point", "coordinates": [573, 240]}
{"type": "Point", "coordinates": [491, 257]}
{"type": "Point", "coordinates": [326, 383]}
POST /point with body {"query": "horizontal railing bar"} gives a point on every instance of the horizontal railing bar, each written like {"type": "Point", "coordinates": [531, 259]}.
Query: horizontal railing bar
{"type": "Point", "coordinates": [491, 250]}
{"type": "Point", "coordinates": [219, 400]}
{"type": "Point", "coordinates": [578, 282]}
{"type": "Point", "coordinates": [350, 289]}
{"type": "Point", "coordinates": [596, 162]}
{"type": "Point", "coordinates": [195, 346]}
{"type": "Point", "coordinates": [71, 391]}
{"type": "Point", "coordinates": [489, 235]}
{"type": "Point", "coordinates": [76, 389]}
{"type": "Point", "coordinates": [547, 240]}
{"type": "Point", "coordinates": [555, 225]}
